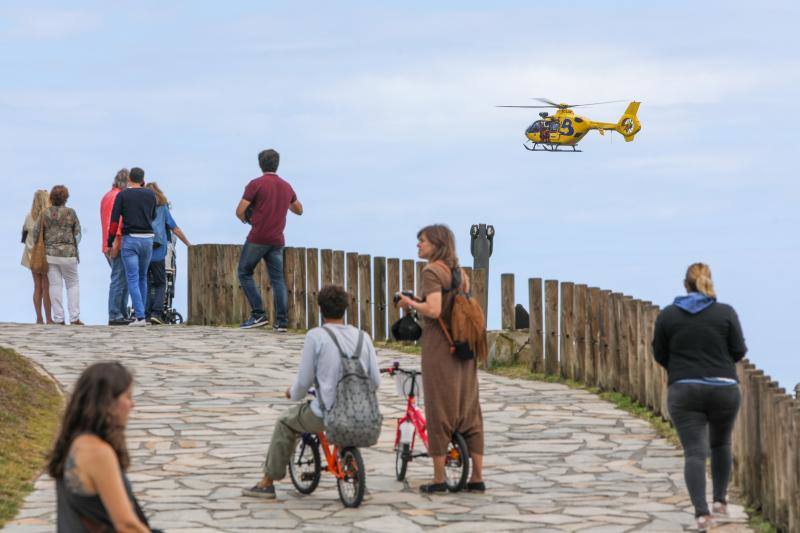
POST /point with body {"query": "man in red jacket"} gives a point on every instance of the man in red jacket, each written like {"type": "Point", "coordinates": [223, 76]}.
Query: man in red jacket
{"type": "Point", "coordinates": [118, 289]}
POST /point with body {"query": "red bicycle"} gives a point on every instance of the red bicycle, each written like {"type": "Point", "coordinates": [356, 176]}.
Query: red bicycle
{"type": "Point", "coordinates": [412, 424]}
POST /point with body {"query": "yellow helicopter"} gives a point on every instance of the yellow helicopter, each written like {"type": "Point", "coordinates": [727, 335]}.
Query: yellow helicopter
{"type": "Point", "coordinates": [562, 131]}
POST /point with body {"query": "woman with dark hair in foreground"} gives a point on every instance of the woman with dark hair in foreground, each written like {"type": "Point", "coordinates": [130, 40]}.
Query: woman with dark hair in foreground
{"type": "Point", "coordinates": [90, 457]}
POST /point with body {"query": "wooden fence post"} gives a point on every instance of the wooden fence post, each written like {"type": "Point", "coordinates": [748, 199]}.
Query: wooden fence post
{"type": "Point", "coordinates": [507, 321]}
{"type": "Point", "coordinates": [392, 287]}
{"type": "Point", "coordinates": [420, 266]}
{"type": "Point", "coordinates": [337, 273]}
{"type": "Point", "coordinates": [300, 288]}
{"type": "Point", "coordinates": [593, 343]}
{"type": "Point", "coordinates": [352, 288]}
{"type": "Point", "coordinates": [640, 314]}
{"type": "Point", "coordinates": [551, 327]}
{"type": "Point", "coordinates": [379, 298]}
{"type": "Point", "coordinates": [365, 293]}
{"type": "Point", "coordinates": [313, 287]}
{"type": "Point", "coordinates": [581, 340]}
{"type": "Point", "coordinates": [605, 375]}
{"type": "Point", "coordinates": [326, 262]}
{"type": "Point", "coordinates": [631, 326]}
{"type": "Point", "coordinates": [567, 359]}
{"type": "Point", "coordinates": [408, 277]}
{"type": "Point", "coordinates": [289, 266]}
{"type": "Point", "coordinates": [479, 289]}
{"type": "Point", "coordinates": [536, 324]}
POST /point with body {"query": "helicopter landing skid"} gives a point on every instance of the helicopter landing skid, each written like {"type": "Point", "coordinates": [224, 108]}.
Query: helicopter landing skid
{"type": "Point", "coordinates": [547, 147]}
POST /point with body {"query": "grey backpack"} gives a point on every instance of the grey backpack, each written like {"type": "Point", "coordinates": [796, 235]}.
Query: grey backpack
{"type": "Point", "coordinates": [355, 419]}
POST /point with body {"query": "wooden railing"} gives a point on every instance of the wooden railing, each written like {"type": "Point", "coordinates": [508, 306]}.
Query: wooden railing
{"type": "Point", "coordinates": [215, 297]}
{"type": "Point", "coordinates": [604, 339]}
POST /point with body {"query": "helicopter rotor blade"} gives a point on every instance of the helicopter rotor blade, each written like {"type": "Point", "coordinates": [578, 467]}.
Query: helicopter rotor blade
{"type": "Point", "coordinates": [550, 103]}
{"type": "Point", "coordinates": [598, 103]}
{"type": "Point", "coordinates": [527, 106]}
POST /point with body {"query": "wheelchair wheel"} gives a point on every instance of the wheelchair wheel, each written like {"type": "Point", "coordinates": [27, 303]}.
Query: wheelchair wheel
{"type": "Point", "coordinates": [305, 468]}
{"type": "Point", "coordinates": [402, 457]}
{"type": "Point", "coordinates": [177, 318]}
{"type": "Point", "coordinates": [456, 463]}
{"type": "Point", "coordinates": [354, 483]}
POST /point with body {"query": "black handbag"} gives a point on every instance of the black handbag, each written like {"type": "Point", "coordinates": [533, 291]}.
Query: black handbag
{"type": "Point", "coordinates": [407, 328]}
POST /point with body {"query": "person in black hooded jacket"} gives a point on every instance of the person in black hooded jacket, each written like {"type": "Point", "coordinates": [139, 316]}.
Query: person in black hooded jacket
{"type": "Point", "coordinates": [699, 341]}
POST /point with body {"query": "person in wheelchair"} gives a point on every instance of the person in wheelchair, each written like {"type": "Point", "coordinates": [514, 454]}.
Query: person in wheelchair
{"type": "Point", "coordinates": [319, 366]}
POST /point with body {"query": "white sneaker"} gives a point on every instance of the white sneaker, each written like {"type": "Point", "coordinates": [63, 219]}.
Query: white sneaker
{"type": "Point", "coordinates": [138, 323]}
{"type": "Point", "coordinates": [719, 509]}
{"type": "Point", "coordinates": [705, 523]}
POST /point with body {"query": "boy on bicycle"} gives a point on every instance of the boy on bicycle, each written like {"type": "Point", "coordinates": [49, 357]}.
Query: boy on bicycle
{"type": "Point", "coordinates": [320, 363]}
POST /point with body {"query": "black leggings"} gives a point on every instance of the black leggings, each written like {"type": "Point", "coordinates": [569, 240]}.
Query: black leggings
{"type": "Point", "coordinates": [704, 417]}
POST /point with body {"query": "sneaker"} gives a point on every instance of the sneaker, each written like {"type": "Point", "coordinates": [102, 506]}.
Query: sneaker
{"type": "Point", "coordinates": [705, 523]}
{"type": "Point", "coordinates": [719, 509]}
{"type": "Point", "coordinates": [156, 320]}
{"type": "Point", "coordinates": [280, 329]}
{"type": "Point", "coordinates": [119, 322]}
{"type": "Point", "coordinates": [254, 322]}
{"type": "Point", "coordinates": [266, 493]}
{"type": "Point", "coordinates": [138, 323]}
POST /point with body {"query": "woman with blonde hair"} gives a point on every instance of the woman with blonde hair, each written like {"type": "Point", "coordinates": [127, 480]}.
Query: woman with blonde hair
{"type": "Point", "coordinates": [163, 228]}
{"type": "Point", "coordinates": [62, 233]}
{"type": "Point", "coordinates": [41, 287]}
{"type": "Point", "coordinates": [450, 384]}
{"type": "Point", "coordinates": [699, 341]}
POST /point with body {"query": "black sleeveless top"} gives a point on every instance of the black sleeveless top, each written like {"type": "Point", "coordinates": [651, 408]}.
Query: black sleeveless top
{"type": "Point", "coordinates": [79, 513]}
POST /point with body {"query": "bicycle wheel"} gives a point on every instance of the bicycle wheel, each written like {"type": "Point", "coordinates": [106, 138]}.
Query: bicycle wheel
{"type": "Point", "coordinates": [305, 468]}
{"type": "Point", "coordinates": [456, 463]}
{"type": "Point", "coordinates": [354, 483]}
{"type": "Point", "coordinates": [402, 457]}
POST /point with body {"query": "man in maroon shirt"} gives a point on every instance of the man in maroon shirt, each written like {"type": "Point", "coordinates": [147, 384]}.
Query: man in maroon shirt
{"type": "Point", "coordinates": [264, 205]}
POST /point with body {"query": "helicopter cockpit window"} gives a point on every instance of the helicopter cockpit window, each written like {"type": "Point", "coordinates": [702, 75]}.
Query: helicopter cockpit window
{"type": "Point", "coordinates": [537, 126]}
{"type": "Point", "coordinates": [554, 126]}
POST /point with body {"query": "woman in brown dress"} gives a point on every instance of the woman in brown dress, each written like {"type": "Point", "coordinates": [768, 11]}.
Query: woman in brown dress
{"type": "Point", "coordinates": [450, 384]}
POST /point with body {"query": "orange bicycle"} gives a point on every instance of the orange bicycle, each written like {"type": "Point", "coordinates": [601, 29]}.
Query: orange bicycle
{"type": "Point", "coordinates": [346, 465]}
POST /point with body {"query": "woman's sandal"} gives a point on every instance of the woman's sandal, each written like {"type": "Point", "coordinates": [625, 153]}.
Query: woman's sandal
{"type": "Point", "coordinates": [432, 488]}
{"type": "Point", "coordinates": [477, 486]}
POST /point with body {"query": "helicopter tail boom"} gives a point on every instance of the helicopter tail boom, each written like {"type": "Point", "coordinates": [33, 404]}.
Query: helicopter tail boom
{"type": "Point", "coordinates": [628, 125]}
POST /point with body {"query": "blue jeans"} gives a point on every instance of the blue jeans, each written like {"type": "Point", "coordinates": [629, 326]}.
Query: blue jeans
{"type": "Point", "coordinates": [273, 257]}
{"type": "Point", "coordinates": [136, 253]}
{"type": "Point", "coordinates": [117, 290]}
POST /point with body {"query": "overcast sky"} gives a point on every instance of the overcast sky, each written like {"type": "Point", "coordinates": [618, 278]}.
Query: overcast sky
{"type": "Point", "coordinates": [384, 116]}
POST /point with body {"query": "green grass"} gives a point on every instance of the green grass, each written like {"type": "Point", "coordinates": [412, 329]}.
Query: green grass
{"type": "Point", "coordinates": [31, 405]}
{"type": "Point", "coordinates": [413, 349]}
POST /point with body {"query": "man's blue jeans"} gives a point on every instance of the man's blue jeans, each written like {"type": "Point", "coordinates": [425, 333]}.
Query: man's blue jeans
{"type": "Point", "coordinates": [136, 253]}
{"type": "Point", "coordinates": [273, 257]}
{"type": "Point", "coordinates": [117, 290]}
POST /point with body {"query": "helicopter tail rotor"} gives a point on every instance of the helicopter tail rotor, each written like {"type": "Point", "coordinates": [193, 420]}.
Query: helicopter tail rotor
{"type": "Point", "coordinates": [628, 124]}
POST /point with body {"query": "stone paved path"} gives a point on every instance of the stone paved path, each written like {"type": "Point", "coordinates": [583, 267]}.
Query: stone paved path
{"type": "Point", "coordinates": [558, 459]}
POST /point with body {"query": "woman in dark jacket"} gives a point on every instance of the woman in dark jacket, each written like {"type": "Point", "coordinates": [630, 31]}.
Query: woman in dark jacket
{"type": "Point", "coordinates": [699, 341]}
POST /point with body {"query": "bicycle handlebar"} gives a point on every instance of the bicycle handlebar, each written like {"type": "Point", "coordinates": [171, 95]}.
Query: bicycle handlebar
{"type": "Point", "coordinates": [396, 368]}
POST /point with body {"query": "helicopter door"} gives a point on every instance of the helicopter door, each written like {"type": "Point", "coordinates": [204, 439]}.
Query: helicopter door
{"type": "Point", "coordinates": [553, 127]}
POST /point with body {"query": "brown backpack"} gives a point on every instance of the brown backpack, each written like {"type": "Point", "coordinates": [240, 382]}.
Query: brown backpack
{"type": "Point", "coordinates": [467, 337]}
